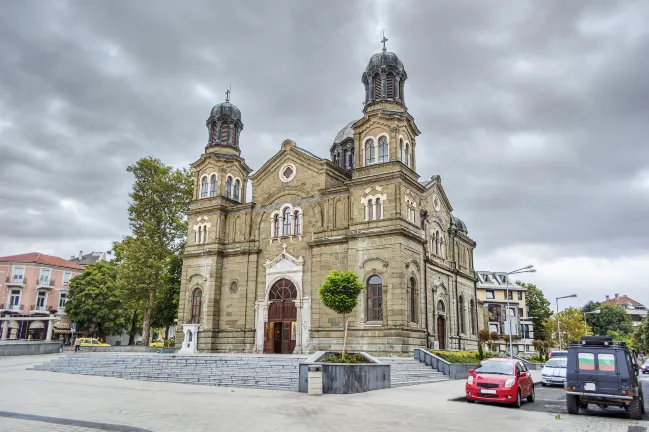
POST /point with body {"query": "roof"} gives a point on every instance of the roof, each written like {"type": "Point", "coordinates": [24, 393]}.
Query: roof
{"type": "Point", "coordinates": [622, 300]}
{"type": "Point", "coordinates": [345, 133]}
{"type": "Point", "coordinates": [494, 280]}
{"type": "Point", "coordinates": [86, 259]}
{"type": "Point", "coordinates": [307, 153]}
{"type": "Point", "coordinates": [39, 258]}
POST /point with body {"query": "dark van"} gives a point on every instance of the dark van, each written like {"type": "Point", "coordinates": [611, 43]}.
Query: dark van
{"type": "Point", "coordinates": [604, 373]}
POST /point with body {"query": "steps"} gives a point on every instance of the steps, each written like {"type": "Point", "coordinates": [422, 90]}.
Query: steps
{"type": "Point", "coordinates": [273, 372]}
{"type": "Point", "coordinates": [408, 372]}
{"type": "Point", "coordinates": [243, 371]}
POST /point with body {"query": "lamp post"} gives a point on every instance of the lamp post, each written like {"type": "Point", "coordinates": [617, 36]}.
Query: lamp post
{"type": "Point", "coordinates": [527, 269]}
{"type": "Point", "coordinates": [585, 323]}
{"type": "Point", "coordinates": [558, 320]}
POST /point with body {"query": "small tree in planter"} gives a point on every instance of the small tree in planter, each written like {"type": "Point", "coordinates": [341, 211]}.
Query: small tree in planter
{"type": "Point", "coordinates": [339, 292]}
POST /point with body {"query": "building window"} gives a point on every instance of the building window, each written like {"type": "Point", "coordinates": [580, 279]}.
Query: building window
{"type": "Point", "coordinates": [213, 185]}
{"type": "Point", "coordinates": [510, 295]}
{"type": "Point", "coordinates": [370, 156]}
{"type": "Point", "coordinates": [66, 278]}
{"type": "Point", "coordinates": [18, 274]}
{"type": "Point", "coordinates": [383, 149]}
{"type": "Point", "coordinates": [237, 190]}
{"type": "Point", "coordinates": [228, 187]}
{"type": "Point", "coordinates": [460, 313]}
{"type": "Point", "coordinates": [204, 234]}
{"type": "Point", "coordinates": [286, 221]}
{"type": "Point", "coordinates": [225, 126]}
{"type": "Point", "coordinates": [413, 302]}
{"type": "Point", "coordinates": [297, 223]}
{"type": "Point", "coordinates": [377, 86]}
{"type": "Point", "coordinates": [494, 328]}
{"type": "Point", "coordinates": [45, 276]}
{"type": "Point", "coordinates": [196, 306]}
{"type": "Point", "coordinates": [374, 299]}
{"type": "Point", "coordinates": [520, 312]}
{"type": "Point", "coordinates": [520, 295]}
{"type": "Point", "coordinates": [41, 301]}
{"type": "Point", "coordinates": [276, 226]}
{"type": "Point", "coordinates": [204, 187]}
{"type": "Point", "coordinates": [401, 149]}
{"type": "Point", "coordinates": [491, 295]}
{"type": "Point", "coordinates": [440, 307]}
{"type": "Point", "coordinates": [14, 300]}
{"type": "Point", "coordinates": [62, 300]}
{"type": "Point", "coordinates": [406, 156]}
{"type": "Point", "coordinates": [390, 85]}
{"type": "Point", "coordinates": [370, 210]}
{"type": "Point", "coordinates": [379, 209]}
{"type": "Point", "coordinates": [472, 312]}
{"type": "Point", "coordinates": [200, 234]}
{"type": "Point", "coordinates": [349, 159]}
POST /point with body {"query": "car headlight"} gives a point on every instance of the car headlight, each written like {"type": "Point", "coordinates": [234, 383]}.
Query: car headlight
{"type": "Point", "coordinates": [510, 382]}
{"type": "Point", "coordinates": [469, 380]}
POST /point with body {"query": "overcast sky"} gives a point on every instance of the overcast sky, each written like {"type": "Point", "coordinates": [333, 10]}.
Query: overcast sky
{"type": "Point", "coordinates": [535, 114]}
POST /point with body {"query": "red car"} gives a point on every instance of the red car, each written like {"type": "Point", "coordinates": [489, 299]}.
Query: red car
{"type": "Point", "coordinates": [500, 380]}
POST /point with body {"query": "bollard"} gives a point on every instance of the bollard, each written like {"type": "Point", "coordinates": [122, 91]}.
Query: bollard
{"type": "Point", "coordinates": [315, 380]}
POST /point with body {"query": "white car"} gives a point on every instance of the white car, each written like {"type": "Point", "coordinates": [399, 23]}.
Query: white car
{"type": "Point", "coordinates": [554, 371]}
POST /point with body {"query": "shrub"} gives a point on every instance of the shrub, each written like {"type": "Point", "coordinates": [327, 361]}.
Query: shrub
{"type": "Point", "coordinates": [349, 358]}
{"type": "Point", "coordinates": [170, 343]}
{"type": "Point", "coordinates": [459, 356]}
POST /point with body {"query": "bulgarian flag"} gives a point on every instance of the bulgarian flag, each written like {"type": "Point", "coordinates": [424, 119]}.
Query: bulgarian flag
{"type": "Point", "coordinates": [606, 362]}
{"type": "Point", "coordinates": [586, 362]}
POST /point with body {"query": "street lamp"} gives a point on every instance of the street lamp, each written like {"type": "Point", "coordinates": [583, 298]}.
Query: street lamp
{"type": "Point", "coordinates": [586, 313]}
{"type": "Point", "coordinates": [558, 320]}
{"type": "Point", "coordinates": [527, 269]}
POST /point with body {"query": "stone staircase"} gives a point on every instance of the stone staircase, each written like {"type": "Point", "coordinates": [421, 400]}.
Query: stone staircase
{"type": "Point", "coordinates": [273, 372]}
{"type": "Point", "coordinates": [408, 372]}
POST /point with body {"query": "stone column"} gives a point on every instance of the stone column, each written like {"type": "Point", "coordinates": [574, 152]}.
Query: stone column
{"type": "Point", "coordinates": [5, 330]}
{"type": "Point", "coordinates": [50, 328]}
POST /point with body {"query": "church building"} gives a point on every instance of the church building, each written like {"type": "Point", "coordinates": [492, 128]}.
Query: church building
{"type": "Point", "coordinates": [252, 267]}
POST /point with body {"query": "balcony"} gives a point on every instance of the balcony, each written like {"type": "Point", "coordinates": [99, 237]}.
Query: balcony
{"type": "Point", "coordinates": [36, 308]}
{"type": "Point", "coordinates": [45, 283]}
{"type": "Point", "coordinates": [12, 307]}
{"type": "Point", "coordinates": [16, 281]}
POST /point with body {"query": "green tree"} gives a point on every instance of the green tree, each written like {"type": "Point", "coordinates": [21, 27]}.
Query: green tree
{"type": "Point", "coordinates": [159, 202]}
{"type": "Point", "coordinates": [642, 335]}
{"type": "Point", "coordinates": [539, 308]}
{"type": "Point", "coordinates": [339, 292]}
{"type": "Point", "coordinates": [166, 305]}
{"type": "Point", "coordinates": [572, 327]}
{"type": "Point", "coordinates": [94, 303]}
{"type": "Point", "coordinates": [611, 318]}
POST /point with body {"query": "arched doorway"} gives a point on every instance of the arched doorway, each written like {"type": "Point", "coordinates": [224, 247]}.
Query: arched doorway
{"type": "Point", "coordinates": [441, 325]}
{"type": "Point", "coordinates": [280, 330]}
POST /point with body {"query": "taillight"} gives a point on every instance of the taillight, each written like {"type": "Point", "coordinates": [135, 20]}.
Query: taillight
{"type": "Point", "coordinates": [628, 392]}
{"type": "Point", "coordinates": [570, 388]}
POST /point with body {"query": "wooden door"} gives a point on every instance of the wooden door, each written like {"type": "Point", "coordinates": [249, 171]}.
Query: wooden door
{"type": "Point", "coordinates": [269, 332]}
{"type": "Point", "coordinates": [441, 332]}
{"type": "Point", "coordinates": [277, 338]}
{"type": "Point", "coordinates": [286, 338]}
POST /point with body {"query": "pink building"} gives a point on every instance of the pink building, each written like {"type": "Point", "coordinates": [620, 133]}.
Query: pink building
{"type": "Point", "coordinates": [33, 292]}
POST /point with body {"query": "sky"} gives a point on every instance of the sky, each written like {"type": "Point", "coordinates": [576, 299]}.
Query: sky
{"type": "Point", "coordinates": [534, 114]}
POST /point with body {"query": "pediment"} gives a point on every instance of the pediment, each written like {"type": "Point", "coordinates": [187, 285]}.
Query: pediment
{"type": "Point", "coordinates": [284, 261]}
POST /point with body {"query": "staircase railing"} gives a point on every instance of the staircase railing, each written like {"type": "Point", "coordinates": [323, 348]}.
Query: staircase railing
{"type": "Point", "coordinates": [452, 370]}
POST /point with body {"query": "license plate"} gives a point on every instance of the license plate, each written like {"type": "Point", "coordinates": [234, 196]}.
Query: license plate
{"type": "Point", "coordinates": [589, 386]}
{"type": "Point", "coordinates": [484, 391]}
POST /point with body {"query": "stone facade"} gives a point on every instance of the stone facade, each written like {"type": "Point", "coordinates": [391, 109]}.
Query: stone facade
{"type": "Point", "coordinates": [363, 210]}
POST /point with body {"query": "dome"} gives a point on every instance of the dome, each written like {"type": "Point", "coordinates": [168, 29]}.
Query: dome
{"type": "Point", "coordinates": [345, 133]}
{"type": "Point", "coordinates": [226, 109]}
{"type": "Point", "coordinates": [457, 223]}
{"type": "Point", "coordinates": [384, 58]}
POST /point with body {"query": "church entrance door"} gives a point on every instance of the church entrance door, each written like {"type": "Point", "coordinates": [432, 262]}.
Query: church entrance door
{"type": "Point", "coordinates": [441, 332]}
{"type": "Point", "coordinates": [280, 331]}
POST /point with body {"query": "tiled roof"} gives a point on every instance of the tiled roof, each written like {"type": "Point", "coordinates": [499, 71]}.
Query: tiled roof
{"type": "Point", "coordinates": [86, 259]}
{"type": "Point", "coordinates": [39, 258]}
{"type": "Point", "coordinates": [622, 300]}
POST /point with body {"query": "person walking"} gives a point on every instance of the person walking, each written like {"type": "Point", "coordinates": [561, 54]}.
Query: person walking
{"type": "Point", "coordinates": [77, 344]}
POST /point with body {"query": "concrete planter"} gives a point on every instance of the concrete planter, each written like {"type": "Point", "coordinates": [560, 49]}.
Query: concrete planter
{"type": "Point", "coordinates": [452, 370]}
{"type": "Point", "coordinates": [10, 348]}
{"type": "Point", "coordinates": [342, 378]}
{"type": "Point", "coordinates": [124, 348]}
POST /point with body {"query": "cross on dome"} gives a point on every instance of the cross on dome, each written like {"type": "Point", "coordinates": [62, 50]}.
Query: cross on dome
{"type": "Point", "coordinates": [384, 40]}
{"type": "Point", "coordinates": [227, 94]}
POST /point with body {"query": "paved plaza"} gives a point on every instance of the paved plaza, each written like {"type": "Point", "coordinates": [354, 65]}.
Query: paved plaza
{"type": "Point", "coordinates": [46, 401]}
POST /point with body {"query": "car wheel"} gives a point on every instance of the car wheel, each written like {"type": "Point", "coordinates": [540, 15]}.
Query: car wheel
{"type": "Point", "coordinates": [572, 404]}
{"type": "Point", "coordinates": [517, 404]}
{"type": "Point", "coordinates": [532, 396]}
{"type": "Point", "coordinates": [635, 409]}
{"type": "Point", "coordinates": [470, 400]}
{"type": "Point", "coordinates": [544, 384]}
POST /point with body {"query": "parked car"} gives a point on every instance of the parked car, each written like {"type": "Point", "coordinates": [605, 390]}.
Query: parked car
{"type": "Point", "coordinates": [645, 367]}
{"type": "Point", "coordinates": [160, 343]}
{"type": "Point", "coordinates": [501, 380]}
{"type": "Point", "coordinates": [558, 353]}
{"type": "Point", "coordinates": [86, 342]}
{"type": "Point", "coordinates": [554, 371]}
{"type": "Point", "coordinates": [603, 373]}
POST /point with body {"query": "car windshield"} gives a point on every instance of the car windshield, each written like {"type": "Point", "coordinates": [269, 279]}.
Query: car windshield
{"type": "Point", "coordinates": [495, 367]}
{"type": "Point", "coordinates": [557, 363]}
{"type": "Point", "coordinates": [646, 363]}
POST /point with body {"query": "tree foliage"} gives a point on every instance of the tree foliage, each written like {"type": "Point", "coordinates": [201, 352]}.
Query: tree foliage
{"type": "Point", "coordinates": [572, 327]}
{"type": "Point", "coordinates": [93, 302]}
{"type": "Point", "coordinates": [166, 306]}
{"type": "Point", "coordinates": [641, 336]}
{"type": "Point", "coordinates": [611, 318]}
{"type": "Point", "coordinates": [339, 292]}
{"type": "Point", "coordinates": [539, 309]}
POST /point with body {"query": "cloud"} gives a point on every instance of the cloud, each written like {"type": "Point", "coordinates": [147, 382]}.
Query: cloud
{"type": "Point", "coordinates": [534, 114]}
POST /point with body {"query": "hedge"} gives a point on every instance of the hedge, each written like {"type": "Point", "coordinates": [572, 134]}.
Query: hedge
{"type": "Point", "coordinates": [459, 356]}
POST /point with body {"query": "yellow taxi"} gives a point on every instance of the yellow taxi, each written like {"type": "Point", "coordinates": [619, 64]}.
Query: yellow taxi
{"type": "Point", "coordinates": [86, 342]}
{"type": "Point", "coordinates": [160, 343]}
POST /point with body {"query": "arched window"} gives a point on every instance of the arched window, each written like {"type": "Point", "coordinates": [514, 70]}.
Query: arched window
{"type": "Point", "coordinates": [377, 86]}
{"type": "Point", "coordinates": [406, 155]}
{"type": "Point", "coordinates": [213, 185]}
{"type": "Point", "coordinates": [370, 156]}
{"type": "Point", "coordinates": [204, 187]}
{"type": "Point", "coordinates": [200, 234]}
{"type": "Point", "coordinates": [237, 190]}
{"type": "Point", "coordinates": [383, 149]}
{"type": "Point", "coordinates": [350, 159]}
{"type": "Point", "coordinates": [283, 289]}
{"type": "Point", "coordinates": [228, 188]}
{"type": "Point", "coordinates": [205, 234]}
{"type": "Point", "coordinates": [390, 85]}
{"type": "Point", "coordinates": [297, 223]}
{"type": "Point", "coordinates": [460, 314]}
{"type": "Point", "coordinates": [197, 297]}
{"type": "Point", "coordinates": [442, 247]}
{"type": "Point", "coordinates": [413, 298]}
{"type": "Point", "coordinates": [286, 221]}
{"type": "Point", "coordinates": [374, 299]}
{"type": "Point", "coordinates": [370, 210]}
{"type": "Point", "coordinates": [440, 307]}
{"type": "Point", "coordinates": [472, 312]}
{"type": "Point", "coordinates": [379, 209]}
{"type": "Point", "coordinates": [401, 149]}
{"type": "Point", "coordinates": [276, 226]}
{"type": "Point", "coordinates": [437, 242]}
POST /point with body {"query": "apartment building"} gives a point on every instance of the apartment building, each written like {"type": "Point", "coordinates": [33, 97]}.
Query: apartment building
{"type": "Point", "coordinates": [636, 310]}
{"type": "Point", "coordinates": [495, 291]}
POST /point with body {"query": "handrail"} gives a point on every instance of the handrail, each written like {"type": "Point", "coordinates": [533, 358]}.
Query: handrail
{"type": "Point", "coordinates": [431, 354]}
